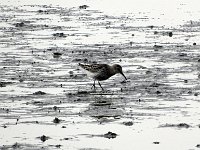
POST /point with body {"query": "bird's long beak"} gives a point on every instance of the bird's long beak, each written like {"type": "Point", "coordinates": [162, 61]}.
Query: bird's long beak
{"type": "Point", "coordinates": [123, 75]}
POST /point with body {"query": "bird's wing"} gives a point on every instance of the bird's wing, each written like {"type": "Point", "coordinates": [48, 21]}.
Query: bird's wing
{"type": "Point", "coordinates": [94, 68]}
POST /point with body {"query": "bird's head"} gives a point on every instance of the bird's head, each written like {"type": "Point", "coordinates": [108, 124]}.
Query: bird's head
{"type": "Point", "coordinates": [118, 69]}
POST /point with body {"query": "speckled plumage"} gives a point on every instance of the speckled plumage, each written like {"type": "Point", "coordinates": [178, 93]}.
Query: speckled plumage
{"type": "Point", "coordinates": [102, 71]}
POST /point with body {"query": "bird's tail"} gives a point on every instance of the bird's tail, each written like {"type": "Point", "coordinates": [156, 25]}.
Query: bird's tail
{"type": "Point", "coordinates": [81, 65]}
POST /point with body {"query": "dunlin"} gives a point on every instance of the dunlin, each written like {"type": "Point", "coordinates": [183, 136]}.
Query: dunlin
{"type": "Point", "coordinates": [102, 72]}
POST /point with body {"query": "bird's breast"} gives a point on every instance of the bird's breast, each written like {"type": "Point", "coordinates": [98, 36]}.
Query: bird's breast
{"type": "Point", "coordinates": [101, 77]}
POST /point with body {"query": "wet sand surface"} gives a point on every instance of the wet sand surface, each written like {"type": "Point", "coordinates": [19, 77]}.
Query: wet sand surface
{"type": "Point", "coordinates": [46, 100]}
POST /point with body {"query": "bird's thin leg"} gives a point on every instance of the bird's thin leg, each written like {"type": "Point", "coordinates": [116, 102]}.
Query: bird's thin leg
{"type": "Point", "coordinates": [93, 86]}
{"type": "Point", "coordinates": [100, 86]}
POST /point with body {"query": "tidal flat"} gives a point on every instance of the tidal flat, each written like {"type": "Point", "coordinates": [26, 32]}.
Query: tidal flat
{"type": "Point", "coordinates": [46, 100]}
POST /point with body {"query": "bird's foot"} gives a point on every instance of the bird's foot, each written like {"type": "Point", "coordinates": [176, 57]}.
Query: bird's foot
{"type": "Point", "coordinates": [93, 87]}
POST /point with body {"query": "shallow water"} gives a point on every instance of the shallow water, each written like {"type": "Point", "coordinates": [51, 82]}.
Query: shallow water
{"type": "Point", "coordinates": [47, 101]}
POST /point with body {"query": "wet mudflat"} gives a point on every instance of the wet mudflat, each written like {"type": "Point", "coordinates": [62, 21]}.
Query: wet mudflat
{"type": "Point", "coordinates": [46, 100]}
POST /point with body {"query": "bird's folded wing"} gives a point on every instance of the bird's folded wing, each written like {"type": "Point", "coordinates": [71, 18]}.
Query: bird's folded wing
{"type": "Point", "coordinates": [94, 68]}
